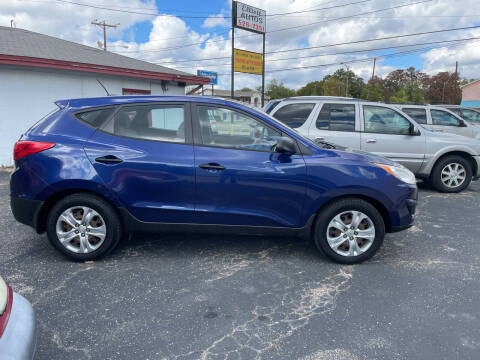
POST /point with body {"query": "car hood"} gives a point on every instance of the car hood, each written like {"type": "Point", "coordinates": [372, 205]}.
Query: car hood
{"type": "Point", "coordinates": [352, 154]}
{"type": "Point", "coordinates": [358, 155]}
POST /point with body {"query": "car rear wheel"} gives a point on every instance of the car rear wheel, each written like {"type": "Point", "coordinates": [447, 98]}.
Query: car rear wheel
{"type": "Point", "coordinates": [83, 227]}
{"type": "Point", "coordinates": [452, 174]}
{"type": "Point", "coordinates": [349, 231]}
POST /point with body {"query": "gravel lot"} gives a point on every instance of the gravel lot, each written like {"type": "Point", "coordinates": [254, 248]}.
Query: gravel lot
{"type": "Point", "coordinates": [212, 297]}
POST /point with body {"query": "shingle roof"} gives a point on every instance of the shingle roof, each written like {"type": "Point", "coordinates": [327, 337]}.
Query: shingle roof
{"type": "Point", "coordinates": [20, 42]}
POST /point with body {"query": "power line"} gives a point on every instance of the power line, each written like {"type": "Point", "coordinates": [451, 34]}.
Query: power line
{"type": "Point", "coordinates": [104, 26]}
{"type": "Point", "coordinates": [341, 44]}
{"type": "Point", "coordinates": [349, 52]}
{"type": "Point", "coordinates": [349, 61]}
{"type": "Point", "coordinates": [278, 30]}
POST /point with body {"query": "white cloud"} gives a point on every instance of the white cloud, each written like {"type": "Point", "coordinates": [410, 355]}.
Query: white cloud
{"type": "Point", "coordinates": [212, 21]}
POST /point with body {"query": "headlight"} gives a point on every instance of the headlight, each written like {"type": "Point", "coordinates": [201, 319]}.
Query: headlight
{"type": "Point", "coordinates": [401, 173]}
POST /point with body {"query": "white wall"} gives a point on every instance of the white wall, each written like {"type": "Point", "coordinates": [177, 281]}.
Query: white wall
{"type": "Point", "coordinates": [27, 94]}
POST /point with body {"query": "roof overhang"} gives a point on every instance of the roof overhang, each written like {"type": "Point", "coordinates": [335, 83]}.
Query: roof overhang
{"type": "Point", "coordinates": [99, 69]}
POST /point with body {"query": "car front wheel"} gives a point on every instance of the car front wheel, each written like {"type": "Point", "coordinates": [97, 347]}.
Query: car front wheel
{"type": "Point", "coordinates": [83, 227]}
{"type": "Point", "coordinates": [349, 231]}
{"type": "Point", "coordinates": [452, 174]}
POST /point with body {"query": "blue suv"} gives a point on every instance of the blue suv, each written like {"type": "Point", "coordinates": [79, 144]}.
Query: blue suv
{"type": "Point", "coordinates": [100, 168]}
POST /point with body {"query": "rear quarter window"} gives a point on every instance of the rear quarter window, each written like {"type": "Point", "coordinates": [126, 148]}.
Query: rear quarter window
{"type": "Point", "coordinates": [417, 114]}
{"type": "Point", "coordinates": [96, 117]}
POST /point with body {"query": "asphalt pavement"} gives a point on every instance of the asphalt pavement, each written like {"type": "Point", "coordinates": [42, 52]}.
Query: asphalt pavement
{"type": "Point", "coordinates": [232, 297]}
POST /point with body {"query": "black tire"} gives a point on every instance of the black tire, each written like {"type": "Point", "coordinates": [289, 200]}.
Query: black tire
{"type": "Point", "coordinates": [107, 212]}
{"type": "Point", "coordinates": [344, 205]}
{"type": "Point", "coordinates": [436, 176]}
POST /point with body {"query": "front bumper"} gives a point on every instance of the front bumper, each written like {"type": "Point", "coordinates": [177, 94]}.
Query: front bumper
{"type": "Point", "coordinates": [19, 338]}
{"type": "Point", "coordinates": [404, 214]}
{"type": "Point", "coordinates": [26, 211]}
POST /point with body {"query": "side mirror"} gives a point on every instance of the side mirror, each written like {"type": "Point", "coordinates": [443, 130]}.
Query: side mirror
{"type": "Point", "coordinates": [285, 145]}
{"type": "Point", "coordinates": [462, 123]}
{"type": "Point", "coordinates": [414, 131]}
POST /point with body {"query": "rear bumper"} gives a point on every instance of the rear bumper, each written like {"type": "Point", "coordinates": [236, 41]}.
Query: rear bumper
{"type": "Point", "coordinates": [19, 339]}
{"type": "Point", "coordinates": [26, 211]}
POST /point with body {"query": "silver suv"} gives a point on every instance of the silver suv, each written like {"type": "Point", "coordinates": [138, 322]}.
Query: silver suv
{"type": "Point", "coordinates": [438, 118]}
{"type": "Point", "coordinates": [448, 161]}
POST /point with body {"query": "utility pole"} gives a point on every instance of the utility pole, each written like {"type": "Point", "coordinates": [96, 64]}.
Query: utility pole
{"type": "Point", "coordinates": [104, 26]}
{"type": "Point", "coordinates": [373, 75]}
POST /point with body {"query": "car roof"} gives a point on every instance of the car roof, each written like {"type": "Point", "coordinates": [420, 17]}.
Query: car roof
{"type": "Point", "coordinates": [80, 103]}
{"type": "Point", "coordinates": [336, 98]}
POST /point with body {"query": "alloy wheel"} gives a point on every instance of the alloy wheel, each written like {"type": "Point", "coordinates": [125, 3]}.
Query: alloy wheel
{"type": "Point", "coordinates": [453, 175]}
{"type": "Point", "coordinates": [81, 229]}
{"type": "Point", "coordinates": [350, 233]}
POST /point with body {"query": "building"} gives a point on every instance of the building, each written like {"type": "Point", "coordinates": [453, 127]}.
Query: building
{"type": "Point", "coordinates": [253, 98]}
{"type": "Point", "coordinates": [471, 95]}
{"type": "Point", "coordinates": [36, 70]}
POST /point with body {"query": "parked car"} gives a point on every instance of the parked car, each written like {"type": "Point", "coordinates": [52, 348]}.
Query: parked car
{"type": "Point", "coordinates": [450, 162]}
{"type": "Point", "coordinates": [470, 115]}
{"type": "Point", "coordinates": [437, 118]}
{"type": "Point", "coordinates": [17, 325]}
{"type": "Point", "coordinates": [101, 167]}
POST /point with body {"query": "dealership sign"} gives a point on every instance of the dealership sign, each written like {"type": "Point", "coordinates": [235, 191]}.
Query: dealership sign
{"type": "Point", "coordinates": [247, 62]}
{"type": "Point", "coordinates": [213, 76]}
{"type": "Point", "coordinates": [249, 18]}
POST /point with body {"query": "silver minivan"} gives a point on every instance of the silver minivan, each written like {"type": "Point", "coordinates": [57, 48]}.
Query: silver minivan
{"type": "Point", "coordinates": [437, 118]}
{"type": "Point", "coordinates": [448, 161]}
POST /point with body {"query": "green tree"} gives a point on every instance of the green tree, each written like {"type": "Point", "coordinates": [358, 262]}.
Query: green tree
{"type": "Point", "coordinates": [411, 80]}
{"type": "Point", "coordinates": [401, 97]}
{"type": "Point", "coordinates": [246, 89]}
{"type": "Point", "coordinates": [276, 90]}
{"type": "Point", "coordinates": [345, 78]}
{"type": "Point", "coordinates": [373, 91]}
{"type": "Point", "coordinates": [311, 89]}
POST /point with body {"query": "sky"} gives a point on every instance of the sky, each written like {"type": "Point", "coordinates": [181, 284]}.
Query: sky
{"type": "Point", "coordinates": [181, 33]}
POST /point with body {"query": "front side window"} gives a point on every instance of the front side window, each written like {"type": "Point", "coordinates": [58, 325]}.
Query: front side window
{"type": "Point", "coordinates": [227, 128]}
{"type": "Point", "coordinates": [384, 120]}
{"type": "Point", "coordinates": [456, 111]}
{"type": "Point", "coordinates": [417, 114]}
{"type": "Point", "coordinates": [440, 117]}
{"type": "Point", "coordinates": [294, 115]}
{"type": "Point", "coordinates": [336, 117]}
{"type": "Point", "coordinates": [151, 122]}
{"type": "Point", "coordinates": [471, 115]}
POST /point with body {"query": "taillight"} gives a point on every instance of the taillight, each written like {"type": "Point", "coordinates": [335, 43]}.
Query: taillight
{"type": "Point", "coordinates": [8, 309]}
{"type": "Point", "coordinates": [25, 148]}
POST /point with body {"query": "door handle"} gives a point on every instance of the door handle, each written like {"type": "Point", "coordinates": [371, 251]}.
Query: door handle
{"type": "Point", "coordinates": [371, 141]}
{"type": "Point", "coordinates": [212, 166]}
{"type": "Point", "coordinates": [108, 159]}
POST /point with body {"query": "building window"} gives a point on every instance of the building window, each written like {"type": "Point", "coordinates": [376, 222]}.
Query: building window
{"type": "Point", "coordinates": [126, 91]}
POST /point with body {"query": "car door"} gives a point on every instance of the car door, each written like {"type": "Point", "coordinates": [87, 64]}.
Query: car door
{"type": "Point", "coordinates": [445, 121]}
{"type": "Point", "coordinates": [388, 133]}
{"type": "Point", "coordinates": [335, 122]}
{"type": "Point", "coordinates": [144, 155]}
{"type": "Point", "coordinates": [240, 180]}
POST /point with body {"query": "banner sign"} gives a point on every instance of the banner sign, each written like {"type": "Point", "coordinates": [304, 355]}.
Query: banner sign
{"type": "Point", "coordinates": [247, 62]}
{"type": "Point", "coordinates": [249, 18]}
{"type": "Point", "coordinates": [212, 75]}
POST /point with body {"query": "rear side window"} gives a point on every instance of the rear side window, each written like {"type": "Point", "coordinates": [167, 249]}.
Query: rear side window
{"type": "Point", "coordinates": [440, 117]}
{"type": "Point", "coordinates": [337, 117]}
{"type": "Point", "coordinates": [417, 114]}
{"type": "Point", "coordinates": [95, 118]}
{"type": "Point", "coordinates": [294, 115]}
{"type": "Point", "coordinates": [152, 122]}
